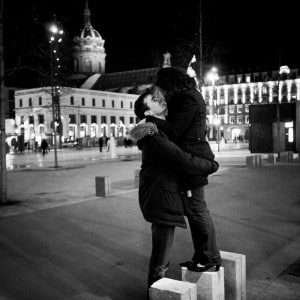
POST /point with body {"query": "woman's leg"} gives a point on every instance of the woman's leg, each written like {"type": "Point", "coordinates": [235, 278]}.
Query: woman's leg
{"type": "Point", "coordinates": [162, 241]}
{"type": "Point", "coordinates": [202, 229]}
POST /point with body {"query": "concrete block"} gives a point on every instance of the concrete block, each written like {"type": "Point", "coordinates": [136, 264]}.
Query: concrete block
{"type": "Point", "coordinates": [286, 156]}
{"type": "Point", "coordinates": [253, 161]}
{"type": "Point", "coordinates": [235, 275]}
{"type": "Point", "coordinates": [250, 161]}
{"type": "Point", "coordinates": [137, 178]}
{"type": "Point", "coordinates": [210, 284]}
{"type": "Point", "coordinates": [103, 186]}
{"type": "Point", "coordinates": [257, 161]}
{"type": "Point", "coordinates": [167, 288]}
{"type": "Point", "coordinates": [272, 158]}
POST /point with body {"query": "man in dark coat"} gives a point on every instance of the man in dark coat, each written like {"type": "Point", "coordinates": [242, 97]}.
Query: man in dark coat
{"type": "Point", "coordinates": [187, 116]}
{"type": "Point", "coordinates": [159, 190]}
{"type": "Point", "coordinates": [44, 146]}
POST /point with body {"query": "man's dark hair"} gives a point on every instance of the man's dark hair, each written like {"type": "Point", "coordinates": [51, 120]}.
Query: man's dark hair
{"type": "Point", "coordinates": [173, 80]}
{"type": "Point", "coordinates": [140, 107]}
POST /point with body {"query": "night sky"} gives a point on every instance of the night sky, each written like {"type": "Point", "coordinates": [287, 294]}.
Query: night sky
{"type": "Point", "coordinates": [238, 36]}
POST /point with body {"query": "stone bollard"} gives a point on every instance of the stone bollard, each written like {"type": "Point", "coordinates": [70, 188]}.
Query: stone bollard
{"type": "Point", "coordinates": [210, 284]}
{"type": "Point", "coordinates": [290, 155]}
{"type": "Point", "coordinates": [136, 178]}
{"type": "Point", "coordinates": [250, 161]}
{"type": "Point", "coordinates": [167, 288]}
{"type": "Point", "coordinates": [235, 275]}
{"type": "Point", "coordinates": [286, 156]}
{"type": "Point", "coordinates": [271, 158]}
{"type": "Point", "coordinates": [253, 161]}
{"type": "Point", "coordinates": [103, 186]}
{"type": "Point", "coordinates": [257, 161]}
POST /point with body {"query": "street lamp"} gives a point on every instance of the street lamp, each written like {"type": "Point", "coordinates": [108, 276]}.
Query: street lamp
{"type": "Point", "coordinates": [55, 38]}
{"type": "Point", "coordinates": [282, 70]}
{"type": "Point", "coordinates": [213, 77]}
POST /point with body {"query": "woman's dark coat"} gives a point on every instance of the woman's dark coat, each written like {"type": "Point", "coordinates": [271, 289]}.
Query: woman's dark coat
{"type": "Point", "coordinates": [187, 115]}
{"type": "Point", "coordinates": [159, 191]}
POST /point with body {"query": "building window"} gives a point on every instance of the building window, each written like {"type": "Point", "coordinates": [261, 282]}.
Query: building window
{"type": "Point", "coordinates": [31, 120]}
{"type": "Point", "coordinates": [232, 120]}
{"type": "Point", "coordinates": [121, 104]}
{"type": "Point", "coordinates": [40, 100]}
{"type": "Point", "coordinates": [240, 120]}
{"type": "Point", "coordinates": [247, 119]}
{"type": "Point", "coordinates": [82, 119]}
{"type": "Point", "coordinates": [103, 102]}
{"type": "Point", "coordinates": [41, 119]}
{"type": "Point", "coordinates": [20, 102]}
{"type": "Point", "coordinates": [131, 120]}
{"type": "Point", "coordinates": [93, 119]}
{"type": "Point", "coordinates": [72, 100]}
{"type": "Point", "coordinates": [112, 120]}
{"type": "Point", "coordinates": [112, 103]}
{"type": "Point", "coordinates": [122, 119]}
{"type": "Point", "coordinates": [22, 119]}
{"type": "Point", "coordinates": [103, 119]}
{"type": "Point", "coordinates": [94, 102]}
{"type": "Point", "coordinates": [246, 108]}
{"type": "Point", "coordinates": [231, 109]}
{"type": "Point", "coordinates": [83, 101]}
{"type": "Point", "coordinates": [30, 102]}
{"type": "Point", "coordinates": [72, 119]}
{"type": "Point", "coordinates": [240, 109]}
{"type": "Point", "coordinates": [131, 105]}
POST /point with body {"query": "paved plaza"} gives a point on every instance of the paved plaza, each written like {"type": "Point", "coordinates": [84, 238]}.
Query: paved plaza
{"type": "Point", "coordinates": [60, 241]}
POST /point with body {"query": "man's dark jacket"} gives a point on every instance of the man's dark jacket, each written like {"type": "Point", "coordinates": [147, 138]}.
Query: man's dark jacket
{"type": "Point", "coordinates": [159, 190]}
{"type": "Point", "coordinates": [187, 128]}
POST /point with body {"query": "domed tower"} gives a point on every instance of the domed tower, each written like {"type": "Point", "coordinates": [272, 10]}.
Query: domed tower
{"type": "Point", "coordinates": [88, 52]}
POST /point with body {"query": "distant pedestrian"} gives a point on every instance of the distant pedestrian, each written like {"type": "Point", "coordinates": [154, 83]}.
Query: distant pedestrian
{"type": "Point", "coordinates": [44, 146]}
{"type": "Point", "coordinates": [101, 140]}
{"type": "Point", "coordinates": [107, 144]}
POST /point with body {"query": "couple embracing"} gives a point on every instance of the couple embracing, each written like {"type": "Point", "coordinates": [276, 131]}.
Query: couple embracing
{"type": "Point", "coordinates": [176, 161]}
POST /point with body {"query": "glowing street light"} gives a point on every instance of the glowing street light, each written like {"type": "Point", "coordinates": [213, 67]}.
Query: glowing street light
{"type": "Point", "coordinates": [55, 38]}
{"type": "Point", "coordinates": [282, 70]}
{"type": "Point", "coordinates": [213, 77]}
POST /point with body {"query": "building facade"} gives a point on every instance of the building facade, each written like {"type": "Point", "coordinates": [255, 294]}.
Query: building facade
{"type": "Point", "coordinates": [83, 113]}
{"type": "Point", "coordinates": [229, 100]}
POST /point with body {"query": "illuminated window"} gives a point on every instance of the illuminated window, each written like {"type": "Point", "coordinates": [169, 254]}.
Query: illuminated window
{"type": "Point", "coordinates": [240, 109]}
{"type": "Point", "coordinates": [247, 119]}
{"type": "Point", "coordinates": [231, 109]}
{"type": "Point", "coordinates": [240, 120]}
{"type": "Point", "coordinates": [232, 120]}
{"type": "Point", "coordinates": [246, 108]}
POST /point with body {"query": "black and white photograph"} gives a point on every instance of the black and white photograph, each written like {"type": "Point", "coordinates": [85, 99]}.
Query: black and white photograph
{"type": "Point", "coordinates": [149, 150]}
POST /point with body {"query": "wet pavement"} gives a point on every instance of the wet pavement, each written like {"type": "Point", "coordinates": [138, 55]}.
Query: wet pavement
{"type": "Point", "coordinates": [60, 241]}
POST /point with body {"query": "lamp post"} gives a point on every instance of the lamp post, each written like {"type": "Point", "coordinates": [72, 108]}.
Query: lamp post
{"type": "Point", "coordinates": [282, 70]}
{"type": "Point", "coordinates": [213, 77]}
{"type": "Point", "coordinates": [55, 39]}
